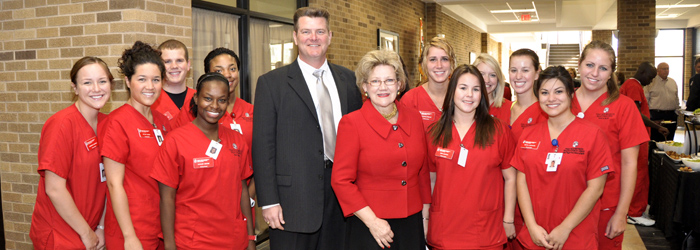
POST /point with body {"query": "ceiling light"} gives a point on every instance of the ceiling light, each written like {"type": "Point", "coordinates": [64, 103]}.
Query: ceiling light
{"type": "Point", "coordinates": [667, 16]}
{"type": "Point", "coordinates": [518, 21]}
{"type": "Point", "coordinates": [512, 11]}
{"type": "Point", "coordinates": [672, 6]}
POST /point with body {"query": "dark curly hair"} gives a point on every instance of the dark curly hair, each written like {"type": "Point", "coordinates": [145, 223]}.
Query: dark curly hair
{"type": "Point", "coordinates": [219, 51]}
{"type": "Point", "coordinates": [140, 53]}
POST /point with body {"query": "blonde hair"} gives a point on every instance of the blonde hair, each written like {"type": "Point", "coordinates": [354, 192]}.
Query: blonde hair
{"type": "Point", "coordinates": [440, 43]}
{"type": "Point", "coordinates": [375, 58]}
{"type": "Point", "coordinates": [497, 94]}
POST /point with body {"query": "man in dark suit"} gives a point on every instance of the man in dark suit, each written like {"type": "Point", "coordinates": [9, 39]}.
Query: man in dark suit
{"type": "Point", "coordinates": [297, 110]}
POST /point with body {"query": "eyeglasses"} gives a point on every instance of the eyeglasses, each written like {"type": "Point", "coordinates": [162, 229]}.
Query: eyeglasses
{"type": "Point", "coordinates": [387, 82]}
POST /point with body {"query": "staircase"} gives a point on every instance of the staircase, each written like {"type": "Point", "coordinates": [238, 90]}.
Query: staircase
{"type": "Point", "coordinates": [564, 54]}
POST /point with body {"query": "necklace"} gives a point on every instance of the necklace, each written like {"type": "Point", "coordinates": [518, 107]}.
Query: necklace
{"type": "Point", "coordinates": [392, 114]}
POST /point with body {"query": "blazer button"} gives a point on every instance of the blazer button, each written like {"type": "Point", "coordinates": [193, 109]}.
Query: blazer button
{"type": "Point", "coordinates": [400, 145]}
{"type": "Point", "coordinates": [320, 152]}
{"type": "Point", "coordinates": [395, 127]}
{"type": "Point", "coordinates": [403, 163]}
{"type": "Point", "coordinates": [320, 177]}
{"type": "Point", "coordinates": [403, 183]}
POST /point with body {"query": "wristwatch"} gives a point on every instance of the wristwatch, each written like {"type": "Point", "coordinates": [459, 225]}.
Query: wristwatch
{"type": "Point", "coordinates": [252, 202]}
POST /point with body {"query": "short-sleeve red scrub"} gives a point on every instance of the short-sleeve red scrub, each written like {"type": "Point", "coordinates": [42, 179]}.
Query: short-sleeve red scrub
{"type": "Point", "coordinates": [129, 138]}
{"type": "Point", "coordinates": [632, 88]}
{"type": "Point", "coordinates": [167, 107]}
{"type": "Point", "coordinates": [554, 194]}
{"type": "Point", "coordinates": [417, 98]}
{"type": "Point", "coordinates": [69, 148]}
{"type": "Point", "coordinates": [240, 119]}
{"type": "Point", "coordinates": [502, 112]}
{"type": "Point", "coordinates": [624, 128]}
{"type": "Point", "coordinates": [531, 116]}
{"type": "Point", "coordinates": [207, 204]}
{"type": "Point", "coordinates": [467, 209]}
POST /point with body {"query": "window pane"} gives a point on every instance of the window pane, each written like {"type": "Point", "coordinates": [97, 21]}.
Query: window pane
{"type": "Point", "coordinates": [210, 30]}
{"type": "Point", "coordinates": [675, 69]}
{"type": "Point", "coordinates": [281, 8]}
{"type": "Point", "coordinates": [270, 48]}
{"type": "Point", "coordinates": [669, 43]}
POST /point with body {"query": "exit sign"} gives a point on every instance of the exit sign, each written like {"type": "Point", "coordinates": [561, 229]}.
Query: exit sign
{"type": "Point", "coordinates": [525, 17]}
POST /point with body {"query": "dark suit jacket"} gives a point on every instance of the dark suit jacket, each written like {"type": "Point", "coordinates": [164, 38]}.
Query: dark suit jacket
{"type": "Point", "coordinates": [288, 145]}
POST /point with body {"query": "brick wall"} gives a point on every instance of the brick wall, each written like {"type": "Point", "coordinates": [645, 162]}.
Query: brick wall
{"type": "Point", "coordinates": [39, 42]}
{"type": "Point", "coordinates": [602, 35]}
{"type": "Point", "coordinates": [463, 38]}
{"type": "Point", "coordinates": [636, 22]}
{"type": "Point", "coordinates": [355, 23]}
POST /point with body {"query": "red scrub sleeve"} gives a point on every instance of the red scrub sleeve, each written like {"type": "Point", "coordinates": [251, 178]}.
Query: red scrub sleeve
{"type": "Point", "coordinates": [54, 154]}
{"type": "Point", "coordinates": [599, 157]}
{"type": "Point", "coordinates": [506, 144]}
{"type": "Point", "coordinates": [114, 143]}
{"type": "Point", "coordinates": [516, 161]}
{"type": "Point", "coordinates": [244, 161]}
{"type": "Point", "coordinates": [347, 153]}
{"type": "Point", "coordinates": [424, 177]}
{"type": "Point", "coordinates": [168, 165]}
{"type": "Point", "coordinates": [632, 130]}
{"type": "Point", "coordinates": [183, 117]}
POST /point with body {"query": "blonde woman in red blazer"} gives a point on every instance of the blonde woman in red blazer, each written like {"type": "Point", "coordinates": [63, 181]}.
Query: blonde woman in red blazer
{"type": "Point", "coordinates": [380, 174]}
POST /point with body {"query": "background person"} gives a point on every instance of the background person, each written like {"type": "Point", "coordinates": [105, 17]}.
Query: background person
{"type": "Point", "coordinates": [560, 202]}
{"type": "Point", "coordinates": [129, 145]}
{"type": "Point", "coordinates": [297, 112]}
{"type": "Point", "coordinates": [499, 106]}
{"type": "Point", "coordinates": [384, 186]}
{"type": "Point", "coordinates": [473, 159]}
{"type": "Point", "coordinates": [199, 196]}
{"type": "Point", "coordinates": [70, 201]}
{"type": "Point", "coordinates": [693, 101]}
{"type": "Point", "coordinates": [662, 96]}
{"type": "Point", "coordinates": [175, 93]}
{"type": "Point", "coordinates": [598, 100]}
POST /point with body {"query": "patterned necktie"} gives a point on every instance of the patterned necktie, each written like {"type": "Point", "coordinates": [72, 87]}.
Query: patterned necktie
{"type": "Point", "coordinates": [326, 115]}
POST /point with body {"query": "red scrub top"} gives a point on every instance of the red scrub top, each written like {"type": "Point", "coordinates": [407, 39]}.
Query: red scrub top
{"type": "Point", "coordinates": [381, 165]}
{"type": "Point", "coordinates": [554, 194]}
{"type": "Point", "coordinates": [624, 128]}
{"type": "Point", "coordinates": [241, 114]}
{"type": "Point", "coordinates": [418, 98]}
{"type": "Point", "coordinates": [68, 147]}
{"type": "Point", "coordinates": [128, 138]}
{"type": "Point", "coordinates": [502, 112]}
{"type": "Point", "coordinates": [467, 209]}
{"type": "Point", "coordinates": [208, 199]}
{"type": "Point", "coordinates": [167, 107]}
{"type": "Point", "coordinates": [531, 116]}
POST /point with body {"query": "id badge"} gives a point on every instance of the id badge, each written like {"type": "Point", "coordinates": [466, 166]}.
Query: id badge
{"type": "Point", "coordinates": [213, 149]}
{"type": "Point", "coordinates": [103, 177]}
{"type": "Point", "coordinates": [236, 127]}
{"type": "Point", "coordinates": [553, 161]}
{"type": "Point", "coordinates": [462, 161]}
{"type": "Point", "coordinates": [159, 136]}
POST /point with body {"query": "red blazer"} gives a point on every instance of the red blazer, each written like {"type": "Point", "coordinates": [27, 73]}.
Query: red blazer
{"type": "Point", "coordinates": [381, 165]}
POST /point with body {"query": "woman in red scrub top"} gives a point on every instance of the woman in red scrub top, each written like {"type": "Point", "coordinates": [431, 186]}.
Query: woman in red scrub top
{"type": "Point", "coordinates": [129, 142]}
{"type": "Point", "coordinates": [437, 62]}
{"type": "Point", "coordinates": [499, 106]}
{"type": "Point", "coordinates": [469, 209]}
{"type": "Point", "coordinates": [70, 201]}
{"type": "Point", "coordinates": [562, 166]}
{"type": "Point", "coordinates": [598, 100]}
{"type": "Point", "coordinates": [197, 170]}
{"type": "Point", "coordinates": [380, 171]}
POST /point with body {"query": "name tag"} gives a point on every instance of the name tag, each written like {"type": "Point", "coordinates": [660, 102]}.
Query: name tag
{"type": "Point", "coordinates": [159, 136]}
{"type": "Point", "coordinates": [213, 150]}
{"type": "Point", "coordinates": [202, 162]}
{"type": "Point", "coordinates": [145, 133]}
{"type": "Point", "coordinates": [553, 161]}
{"type": "Point", "coordinates": [168, 115]}
{"type": "Point", "coordinates": [462, 161]}
{"type": "Point", "coordinates": [91, 143]}
{"type": "Point", "coordinates": [427, 115]}
{"type": "Point", "coordinates": [236, 127]}
{"type": "Point", "coordinates": [445, 153]}
{"type": "Point", "coordinates": [530, 144]}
